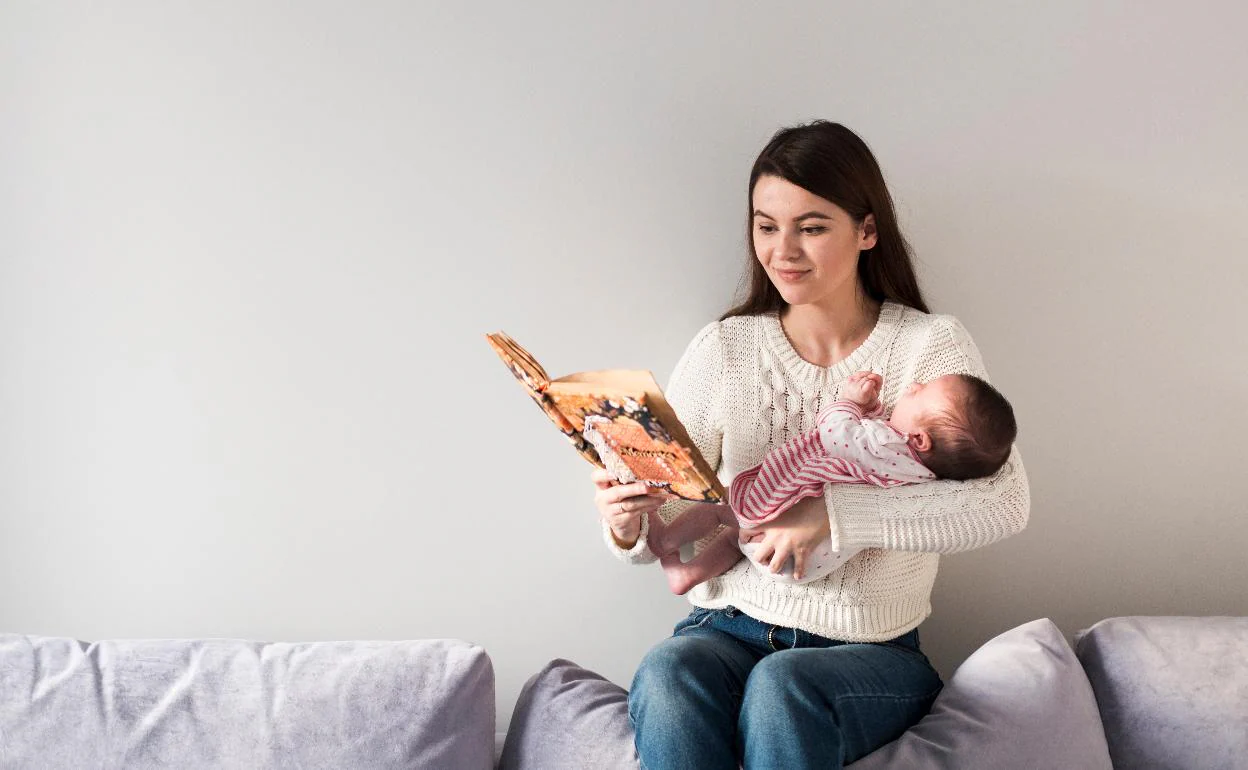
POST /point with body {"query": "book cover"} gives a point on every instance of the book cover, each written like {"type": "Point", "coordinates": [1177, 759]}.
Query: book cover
{"type": "Point", "coordinates": [617, 419]}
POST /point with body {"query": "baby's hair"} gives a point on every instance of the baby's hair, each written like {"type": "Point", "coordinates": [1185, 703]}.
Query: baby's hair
{"type": "Point", "coordinates": [973, 439]}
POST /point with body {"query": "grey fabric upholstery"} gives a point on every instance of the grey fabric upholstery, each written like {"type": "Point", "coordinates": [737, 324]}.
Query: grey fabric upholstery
{"type": "Point", "coordinates": [1172, 691]}
{"type": "Point", "coordinates": [569, 718]}
{"type": "Point", "coordinates": [238, 704]}
{"type": "Point", "coordinates": [1019, 701]}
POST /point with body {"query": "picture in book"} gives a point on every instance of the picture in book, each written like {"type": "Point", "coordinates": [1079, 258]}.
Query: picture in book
{"type": "Point", "coordinates": [617, 419]}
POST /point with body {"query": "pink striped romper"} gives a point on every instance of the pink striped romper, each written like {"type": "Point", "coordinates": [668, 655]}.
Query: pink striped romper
{"type": "Point", "coordinates": [846, 446]}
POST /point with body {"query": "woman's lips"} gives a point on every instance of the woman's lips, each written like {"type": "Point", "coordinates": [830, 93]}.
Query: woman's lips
{"type": "Point", "coordinates": [791, 275]}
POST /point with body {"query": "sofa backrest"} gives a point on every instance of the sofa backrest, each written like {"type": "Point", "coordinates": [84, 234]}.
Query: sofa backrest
{"type": "Point", "coordinates": [230, 703]}
{"type": "Point", "coordinates": [1172, 691]}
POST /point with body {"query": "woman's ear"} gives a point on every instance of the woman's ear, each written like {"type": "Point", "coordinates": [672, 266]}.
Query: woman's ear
{"type": "Point", "coordinates": [920, 441]}
{"type": "Point", "coordinates": [868, 237]}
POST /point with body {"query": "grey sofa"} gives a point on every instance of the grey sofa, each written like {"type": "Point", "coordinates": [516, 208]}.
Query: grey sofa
{"type": "Point", "coordinates": [1140, 692]}
{"type": "Point", "coordinates": [236, 704]}
{"type": "Point", "coordinates": [1148, 692]}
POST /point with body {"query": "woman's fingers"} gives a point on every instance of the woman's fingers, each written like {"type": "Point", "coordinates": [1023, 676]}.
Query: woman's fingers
{"type": "Point", "coordinates": [764, 553]}
{"type": "Point", "coordinates": [602, 478]}
{"type": "Point", "coordinates": [632, 505]}
{"type": "Point", "coordinates": [779, 558]}
{"type": "Point", "coordinates": [799, 562]}
{"type": "Point", "coordinates": [621, 506]}
{"type": "Point", "coordinates": [643, 503]}
{"type": "Point", "coordinates": [625, 491]}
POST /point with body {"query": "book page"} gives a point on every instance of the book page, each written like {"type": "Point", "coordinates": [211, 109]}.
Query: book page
{"type": "Point", "coordinates": [641, 428]}
{"type": "Point", "coordinates": [632, 419]}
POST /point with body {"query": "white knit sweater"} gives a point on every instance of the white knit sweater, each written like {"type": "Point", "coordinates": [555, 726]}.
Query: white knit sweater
{"type": "Point", "coordinates": [741, 389]}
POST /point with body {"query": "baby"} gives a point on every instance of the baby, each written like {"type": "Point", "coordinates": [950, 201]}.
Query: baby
{"type": "Point", "coordinates": [954, 427]}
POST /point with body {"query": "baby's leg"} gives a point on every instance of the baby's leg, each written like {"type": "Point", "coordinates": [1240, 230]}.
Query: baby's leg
{"type": "Point", "coordinates": [720, 554]}
{"type": "Point", "coordinates": [695, 522]}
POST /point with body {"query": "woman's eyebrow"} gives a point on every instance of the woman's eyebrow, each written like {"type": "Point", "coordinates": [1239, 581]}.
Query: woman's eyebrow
{"type": "Point", "coordinates": [812, 215]}
{"type": "Point", "coordinates": [807, 215]}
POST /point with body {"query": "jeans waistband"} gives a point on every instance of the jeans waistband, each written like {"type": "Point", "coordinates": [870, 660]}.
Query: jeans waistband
{"type": "Point", "coordinates": [772, 637]}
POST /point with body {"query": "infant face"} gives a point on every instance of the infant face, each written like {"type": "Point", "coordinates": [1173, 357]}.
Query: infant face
{"type": "Point", "coordinates": [923, 399]}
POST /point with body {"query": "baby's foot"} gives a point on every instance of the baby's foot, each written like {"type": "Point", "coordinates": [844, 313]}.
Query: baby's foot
{"type": "Point", "coordinates": [680, 576]}
{"type": "Point", "coordinates": [660, 538]}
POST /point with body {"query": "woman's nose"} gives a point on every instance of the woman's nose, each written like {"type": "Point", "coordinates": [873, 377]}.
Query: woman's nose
{"type": "Point", "coordinates": [787, 246]}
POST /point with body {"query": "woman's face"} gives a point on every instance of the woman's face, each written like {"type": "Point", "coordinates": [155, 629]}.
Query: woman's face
{"type": "Point", "coordinates": [808, 245]}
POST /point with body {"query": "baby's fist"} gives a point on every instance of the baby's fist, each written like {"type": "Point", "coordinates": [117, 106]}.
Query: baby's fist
{"type": "Point", "coordinates": [863, 388]}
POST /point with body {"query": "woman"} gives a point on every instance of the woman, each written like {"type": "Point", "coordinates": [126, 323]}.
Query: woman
{"type": "Point", "coordinates": [769, 673]}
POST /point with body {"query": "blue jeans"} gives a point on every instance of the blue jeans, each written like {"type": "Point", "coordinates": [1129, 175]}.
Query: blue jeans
{"type": "Point", "coordinates": [727, 690]}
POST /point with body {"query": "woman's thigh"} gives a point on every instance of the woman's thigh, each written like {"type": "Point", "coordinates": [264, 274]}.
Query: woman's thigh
{"type": "Point", "coordinates": [686, 696]}
{"type": "Point", "coordinates": [830, 706]}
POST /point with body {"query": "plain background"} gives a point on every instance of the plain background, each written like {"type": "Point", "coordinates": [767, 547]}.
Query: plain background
{"type": "Point", "coordinates": [248, 252]}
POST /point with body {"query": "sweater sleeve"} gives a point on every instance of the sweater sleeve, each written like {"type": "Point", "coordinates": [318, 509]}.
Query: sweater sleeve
{"type": "Point", "coordinates": [938, 516]}
{"type": "Point", "coordinates": [695, 392]}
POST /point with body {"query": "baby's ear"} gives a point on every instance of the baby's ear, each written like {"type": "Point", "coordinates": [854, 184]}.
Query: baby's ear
{"type": "Point", "coordinates": [921, 441]}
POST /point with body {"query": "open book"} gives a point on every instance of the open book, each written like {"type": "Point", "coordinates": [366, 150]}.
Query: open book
{"type": "Point", "coordinates": [619, 420]}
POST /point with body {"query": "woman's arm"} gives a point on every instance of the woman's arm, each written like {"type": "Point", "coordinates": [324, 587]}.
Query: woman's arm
{"type": "Point", "coordinates": [695, 392]}
{"type": "Point", "coordinates": [939, 516]}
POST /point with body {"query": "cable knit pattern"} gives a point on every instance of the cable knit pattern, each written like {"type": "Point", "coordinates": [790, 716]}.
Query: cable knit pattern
{"type": "Point", "coordinates": [741, 389]}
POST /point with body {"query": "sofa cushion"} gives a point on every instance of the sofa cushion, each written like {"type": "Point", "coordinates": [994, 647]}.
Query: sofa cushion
{"type": "Point", "coordinates": [224, 703]}
{"type": "Point", "coordinates": [1020, 700]}
{"type": "Point", "coordinates": [569, 717]}
{"type": "Point", "coordinates": [1173, 691]}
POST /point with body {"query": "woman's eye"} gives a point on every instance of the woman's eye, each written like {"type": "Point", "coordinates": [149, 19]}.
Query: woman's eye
{"type": "Point", "coordinates": [766, 228]}
{"type": "Point", "coordinates": [813, 230]}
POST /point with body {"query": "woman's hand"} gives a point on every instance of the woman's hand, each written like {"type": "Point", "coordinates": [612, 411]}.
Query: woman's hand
{"type": "Point", "coordinates": [621, 506]}
{"type": "Point", "coordinates": [794, 533]}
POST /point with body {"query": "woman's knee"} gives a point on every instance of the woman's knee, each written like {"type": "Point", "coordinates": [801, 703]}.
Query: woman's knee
{"type": "Point", "coordinates": [797, 682]}
{"type": "Point", "coordinates": [663, 659]}
{"type": "Point", "coordinates": [871, 694]}
{"type": "Point", "coordinates": [779, 668]}
{"type": "Point", "coordinates": [778, 679]}
{"type": "Point", "coordinates": [677, 674]}
{"type": "Point", "coordinates": [675, 661]}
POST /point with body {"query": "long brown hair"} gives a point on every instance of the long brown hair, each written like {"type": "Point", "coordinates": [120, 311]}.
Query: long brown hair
{"type": "Point", "coordinates": [831, 161]}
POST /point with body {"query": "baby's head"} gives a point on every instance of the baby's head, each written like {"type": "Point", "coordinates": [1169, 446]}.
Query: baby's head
{"type": "Point", "coordinates": [960, 426]}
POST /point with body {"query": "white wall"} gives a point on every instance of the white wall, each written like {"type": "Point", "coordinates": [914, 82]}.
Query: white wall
{"type": "Point", "coordinates": [247, 255]}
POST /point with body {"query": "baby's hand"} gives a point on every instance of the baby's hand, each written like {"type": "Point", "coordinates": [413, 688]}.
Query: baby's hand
{"type": "Point", "coordinates": [863, 388]}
